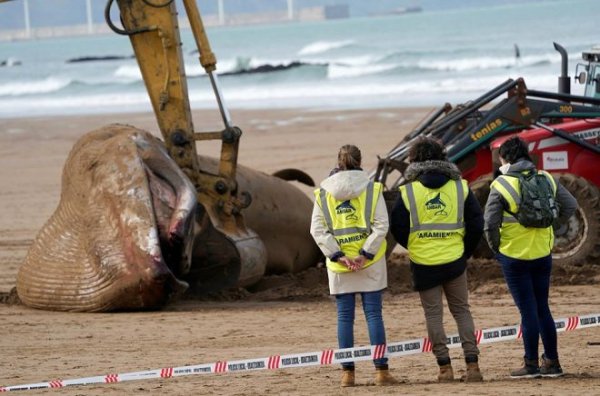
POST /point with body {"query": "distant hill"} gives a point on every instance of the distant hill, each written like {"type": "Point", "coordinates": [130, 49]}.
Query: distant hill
{"type": "Point", "coordinates": [45, 13]}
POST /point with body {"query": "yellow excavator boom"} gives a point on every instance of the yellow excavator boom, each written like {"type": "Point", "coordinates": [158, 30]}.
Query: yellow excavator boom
{"type": "Point", "coordinates": [152, 27]}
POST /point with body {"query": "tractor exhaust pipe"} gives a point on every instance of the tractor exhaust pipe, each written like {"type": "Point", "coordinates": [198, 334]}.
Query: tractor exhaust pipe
{"type": "Point", "coordinates": [564, 82]}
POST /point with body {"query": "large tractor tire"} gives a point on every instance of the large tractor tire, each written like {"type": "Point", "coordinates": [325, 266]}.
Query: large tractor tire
{"type": "Point", "coordinates": [481, 189]}
{"type": "Point", "coordinates": [578, 241]}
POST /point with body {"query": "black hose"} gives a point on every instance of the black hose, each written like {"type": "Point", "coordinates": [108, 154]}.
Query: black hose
{"type": "Point", "coordinates": [109, 22]}
{"type": "Point", "coordinates": [116, 29]}
{"type": "Point", "coordinates": [151, 4]}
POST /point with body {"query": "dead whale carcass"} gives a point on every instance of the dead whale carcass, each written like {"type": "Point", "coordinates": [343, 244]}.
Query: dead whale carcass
{"type": "Point", "coordinates": [128, 233]}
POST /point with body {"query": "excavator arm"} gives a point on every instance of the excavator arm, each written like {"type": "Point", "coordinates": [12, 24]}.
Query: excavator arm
{"type": "Point", "coordinates": [226, 245]}
{"type": "Point", "coordinates": [152, 29]}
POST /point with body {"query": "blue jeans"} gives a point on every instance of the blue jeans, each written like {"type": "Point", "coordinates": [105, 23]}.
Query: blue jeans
{"type": "Point", "coordinates": [529, 284]}
{"type": "Point", "coordinates": [371, 302]}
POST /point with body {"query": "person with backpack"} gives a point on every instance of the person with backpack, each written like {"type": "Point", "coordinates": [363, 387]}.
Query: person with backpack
{"type": "Point", "coordinates": [522, 210]}
{"type": "Point", "coordinates": [349, 224]}
{"type": "Point", "coordinates": [437, 218]}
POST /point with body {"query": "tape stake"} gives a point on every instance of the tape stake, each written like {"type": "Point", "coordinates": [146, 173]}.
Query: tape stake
{"type": "Point", "coordinates": [320, 358]}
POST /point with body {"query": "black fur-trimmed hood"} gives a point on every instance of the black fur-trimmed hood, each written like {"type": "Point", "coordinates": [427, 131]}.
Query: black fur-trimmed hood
{"type": "Point", "coordinates": [432, 174]}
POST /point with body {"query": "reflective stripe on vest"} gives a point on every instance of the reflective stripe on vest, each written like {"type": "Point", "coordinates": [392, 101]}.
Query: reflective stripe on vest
{"type": "Point", "coordinates": [516, 241]}
{"type": "Point", "coordinates": [436, 238]}
{"type": "Point", "coordinates": [351, 239]}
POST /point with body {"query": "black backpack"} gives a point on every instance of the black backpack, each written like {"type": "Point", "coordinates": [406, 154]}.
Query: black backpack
{"type": "Point", "coordinates": [538, 209]}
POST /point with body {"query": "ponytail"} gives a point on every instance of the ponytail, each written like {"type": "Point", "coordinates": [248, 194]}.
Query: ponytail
{"type": "Point", "coordinates": [349, 157]}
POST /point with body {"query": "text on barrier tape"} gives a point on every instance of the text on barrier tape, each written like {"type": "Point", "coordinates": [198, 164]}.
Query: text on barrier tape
{"type": "Point", "coordinates": [324, 357]}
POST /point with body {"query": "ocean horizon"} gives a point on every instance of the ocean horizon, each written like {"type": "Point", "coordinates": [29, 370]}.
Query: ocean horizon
{"type": "Point", "coordinates": [412, 60]}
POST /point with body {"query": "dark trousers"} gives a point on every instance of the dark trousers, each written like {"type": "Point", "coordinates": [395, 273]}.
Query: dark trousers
{"type": "Point", "coordinates": [529, 284]}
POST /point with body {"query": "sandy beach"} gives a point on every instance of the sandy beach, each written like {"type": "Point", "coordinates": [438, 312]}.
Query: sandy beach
{"type": "Point", "coordinates": [282, 314]}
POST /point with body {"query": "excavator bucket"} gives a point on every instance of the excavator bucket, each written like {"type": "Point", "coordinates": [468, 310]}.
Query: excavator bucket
{"type": "Point", "coordinates": [272, 236]}
{"type": "Point", "coordinates": [223, 260]}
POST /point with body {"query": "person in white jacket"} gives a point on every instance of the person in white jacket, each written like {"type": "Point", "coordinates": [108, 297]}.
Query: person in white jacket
{"type": "Point", "coordinates": [349, 224]}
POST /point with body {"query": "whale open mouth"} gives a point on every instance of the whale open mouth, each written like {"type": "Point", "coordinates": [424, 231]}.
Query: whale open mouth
{"type": "Point", "coordinates": [122, 234]}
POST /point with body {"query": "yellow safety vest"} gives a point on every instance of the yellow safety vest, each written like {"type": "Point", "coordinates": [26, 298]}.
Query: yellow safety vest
{"type": "Point", "coordinates": [516, 241]}
{"type": "Point", "coordinates": [437, 225]}
{"type": "Point", "coordinates": [350, 222]}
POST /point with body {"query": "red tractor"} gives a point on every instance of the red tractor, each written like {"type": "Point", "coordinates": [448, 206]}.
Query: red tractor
{"type": "Point", "coordinates": [563, 132]}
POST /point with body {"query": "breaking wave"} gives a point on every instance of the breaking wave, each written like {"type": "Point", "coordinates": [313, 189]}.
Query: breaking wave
{"type": "Point", "coordinates": [46, 85]}
{"type": "Point", "coordinates": [319, 47]}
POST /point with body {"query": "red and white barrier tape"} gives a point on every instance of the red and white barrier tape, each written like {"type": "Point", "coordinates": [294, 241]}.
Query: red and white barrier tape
{"type": "Point", "coordinates": [325, 357]}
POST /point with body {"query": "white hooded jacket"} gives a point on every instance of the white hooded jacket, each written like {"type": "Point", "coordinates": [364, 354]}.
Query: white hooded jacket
{"type": "Point", "coordinates": [346, 185]}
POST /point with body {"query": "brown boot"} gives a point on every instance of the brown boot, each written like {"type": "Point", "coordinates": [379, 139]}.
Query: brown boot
{"type": "Point", "coordinates": [446, 373]}
{"type": "Point", "coordinates": [347, 378]}
{"type": "Point", "coordinates": [530, 369]}
{"type": "Point", "coordinates": [384, 378]}
{"type": "Point", "coordinates": [473, 373]}
{"type": "Point", "coordinates": [550, 367]}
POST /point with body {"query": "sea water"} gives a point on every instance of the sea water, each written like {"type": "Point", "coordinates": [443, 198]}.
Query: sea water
{"type": "Point", "coordinates": [420, 59]}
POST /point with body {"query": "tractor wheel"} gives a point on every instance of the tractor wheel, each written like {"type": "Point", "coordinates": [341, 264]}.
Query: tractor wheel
{"type": "Point", "coordinates": [481, 189]}
{"type": "Point", "coordinates": [578, 241]}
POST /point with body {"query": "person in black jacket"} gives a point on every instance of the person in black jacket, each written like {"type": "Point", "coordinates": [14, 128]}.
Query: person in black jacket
{"type": "Point", "coordinates": [439, 221]}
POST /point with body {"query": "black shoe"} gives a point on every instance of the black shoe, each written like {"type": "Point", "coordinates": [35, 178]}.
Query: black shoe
{"type": "Point", "coordinates": [530, 369]}
{"type": "Point", "coordinates": [550, 368]}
